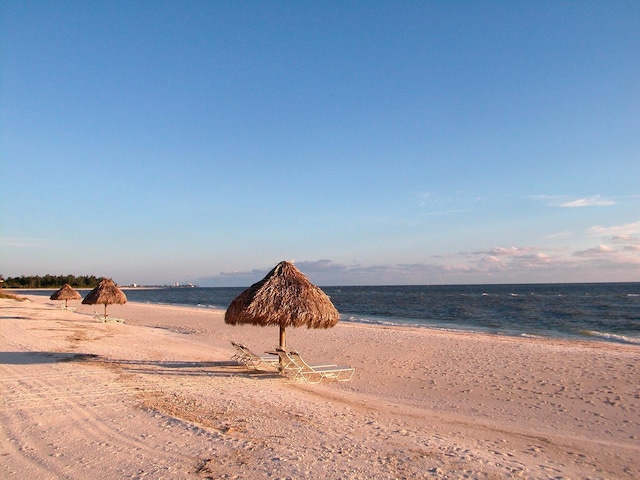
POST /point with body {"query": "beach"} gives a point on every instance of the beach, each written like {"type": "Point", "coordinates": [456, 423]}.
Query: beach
{"type": "Point", "coordinates": [159, 397]}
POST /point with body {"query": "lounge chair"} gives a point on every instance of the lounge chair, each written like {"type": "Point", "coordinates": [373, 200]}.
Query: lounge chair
{"type": "Point", "coordinates": [247, 357]}
{"type": "Point", "coordinates": [293, 365]}
{"type": "Point", "coordinates": [286, 366]}
{"type": "Point", "coordinates": [107, 318]}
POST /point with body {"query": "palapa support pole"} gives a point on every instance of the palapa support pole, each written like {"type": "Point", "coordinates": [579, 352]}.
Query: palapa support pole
{"type": "Point", "coordinates": [282, 345]}
{"type": "Point", "coordinates": [282, 338]}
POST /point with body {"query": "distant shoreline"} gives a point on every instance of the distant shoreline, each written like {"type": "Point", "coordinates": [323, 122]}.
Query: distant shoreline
{"type": "Point", "coordinates": [426, 285]}
{"type": "Point", "coordinates": [44, 289]}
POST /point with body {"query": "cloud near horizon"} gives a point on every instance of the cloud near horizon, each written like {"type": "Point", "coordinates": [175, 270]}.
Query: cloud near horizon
{"type": "Point", "coordinates": [596, 251]}
{"type": "Point", "coordinates": [528, 264]}
{"type": "Point", "coordinates": [616, 257]}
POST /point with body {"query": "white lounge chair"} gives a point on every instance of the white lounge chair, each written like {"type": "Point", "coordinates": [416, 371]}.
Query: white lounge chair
{"type": "Point", "coordinates": [247, 357]}
{"type": "Point", "coordinates": [286, 366]}
{"type": "Point", "coordinates": [293, 365]}
{"type": "Point", "coordinates": [107, 318]}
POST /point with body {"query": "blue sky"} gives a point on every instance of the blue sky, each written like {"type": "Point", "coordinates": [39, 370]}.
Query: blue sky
{"type": "Point", "coordinates": [371, 142]}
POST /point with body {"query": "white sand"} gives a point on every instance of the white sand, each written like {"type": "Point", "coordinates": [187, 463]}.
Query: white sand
{"type": "Point", "coordinates": [82, 399]}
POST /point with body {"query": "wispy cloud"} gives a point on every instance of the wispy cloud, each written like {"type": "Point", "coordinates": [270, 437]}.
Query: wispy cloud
{"type": "Point", "coordinates": [551, 200]}
{"type": "Point", "coordinates": [243, 273]}
{"type": "Point", "coordinates": [593, 201]}
{"type": "Point", "coordinates": [564, 201]}
{"type": "Point", "coordinates": [618, 232]}
{"type": "Point", "coordinates": [505, 251]}
{"type": "Point", "coordinates": [624, 239]}
{"type": "Point", "coordinates": [423, 198]}
{"type": "Point", "coordinates": [456, 202]}
{"type": "Point", "coordinates": [14, 242]}
{"type": "Point", "coordinates": [447, 212]}
{"type": "Point", "coordinates": [595, 251]}
{"type": "Point", "coordinates": [558, 235]}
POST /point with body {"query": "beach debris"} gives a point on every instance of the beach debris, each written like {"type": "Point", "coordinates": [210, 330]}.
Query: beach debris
{"type": "Point", "coordinates": [284, 297]}
{"type": "Point", "coordinates": [66, 293]}
{"type": "Point", "coordinates": [107, 293]}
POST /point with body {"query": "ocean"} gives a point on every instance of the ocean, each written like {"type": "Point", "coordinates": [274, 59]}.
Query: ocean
{"type": "Point", "coordinates": [589, 311]}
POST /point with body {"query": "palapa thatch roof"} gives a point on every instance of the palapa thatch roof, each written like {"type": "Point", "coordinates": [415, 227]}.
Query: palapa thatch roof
{"type": "Point", "coordinates": [285, 297]}
{"type": "Point", "coordinates": [106, 293]}
{"type": "Point", "coordinates": [66, 292]}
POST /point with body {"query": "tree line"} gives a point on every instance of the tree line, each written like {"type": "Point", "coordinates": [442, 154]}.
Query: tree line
{"type": "Point", "coordinates": [50, 281]}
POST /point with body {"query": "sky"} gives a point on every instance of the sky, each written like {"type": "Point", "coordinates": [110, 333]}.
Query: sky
{"type": "Point", "coordinates": [370, 142]}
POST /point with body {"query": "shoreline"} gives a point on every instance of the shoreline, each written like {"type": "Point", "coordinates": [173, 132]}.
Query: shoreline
{"type": "Point", "coordinates": [430, 328]}
{"type": "Point", "coordinates": [586, 335]}
{"type": "Point", "coordinates": [450, 403]}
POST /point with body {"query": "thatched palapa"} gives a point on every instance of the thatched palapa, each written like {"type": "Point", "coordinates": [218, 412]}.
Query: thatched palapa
{"type": "Point", "coordinates": [284, 297]}
{"type": "Point", "coordinates": [106, 293]}
{"type": "Point", "coordinates": [66, 293]}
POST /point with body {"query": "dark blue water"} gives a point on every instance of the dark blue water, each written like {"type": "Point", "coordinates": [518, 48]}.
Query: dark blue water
{"type": "Point", "coordinates": [606, 312]}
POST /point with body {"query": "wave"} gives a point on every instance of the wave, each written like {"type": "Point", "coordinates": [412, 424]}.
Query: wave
{"type": "Point", "coordinates": [371, 320]}
{"type": "Point", "coordinates": [611, 337]}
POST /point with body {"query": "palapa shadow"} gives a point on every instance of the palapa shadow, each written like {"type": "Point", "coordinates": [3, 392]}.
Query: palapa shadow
{"type": "Point", "coordinates": [147, 367]}
{"type": "Point", "coordinates": [33, 358]}
{"type": "Point", "coordinates": [176, 368]}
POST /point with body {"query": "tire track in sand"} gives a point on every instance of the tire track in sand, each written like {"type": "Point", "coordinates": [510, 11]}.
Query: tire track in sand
{"type": "Point", "coordinates": [39, 413]}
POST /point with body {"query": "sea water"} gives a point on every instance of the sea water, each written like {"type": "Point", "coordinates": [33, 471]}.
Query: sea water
{"type": "Point", "coordinates": [602, 311]}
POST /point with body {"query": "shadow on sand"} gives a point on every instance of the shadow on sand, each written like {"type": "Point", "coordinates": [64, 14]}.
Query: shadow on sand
{"type": "Point", "coordinates": [33, 358]}
{"type": "Point", "coordinates": [148, 367]}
